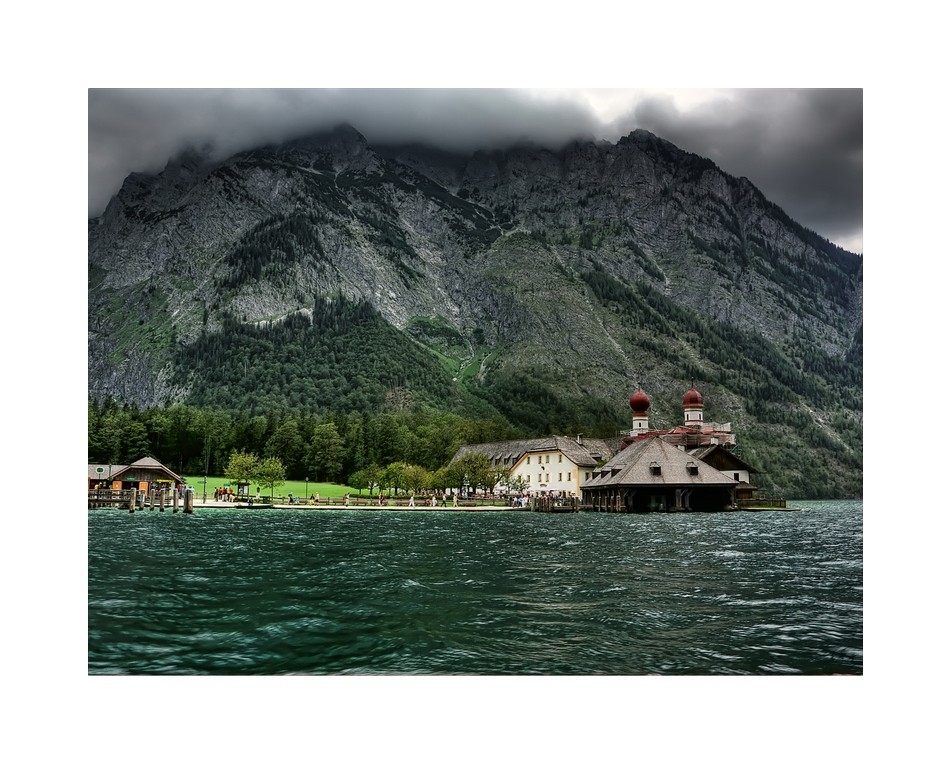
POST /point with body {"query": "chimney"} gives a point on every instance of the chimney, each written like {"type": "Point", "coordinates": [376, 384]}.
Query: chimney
{"type": "Point", "coordinates": [579, 438]}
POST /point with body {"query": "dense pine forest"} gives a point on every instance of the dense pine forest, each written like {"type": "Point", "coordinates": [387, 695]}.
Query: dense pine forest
{"type": "Point", "coordinates": [331, 448]}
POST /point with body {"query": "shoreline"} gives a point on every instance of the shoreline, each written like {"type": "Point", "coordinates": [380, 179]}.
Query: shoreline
{"type": "Point", "coordinates": [474, 508]}
{"type": "Point", "coordinates": [355, 507]}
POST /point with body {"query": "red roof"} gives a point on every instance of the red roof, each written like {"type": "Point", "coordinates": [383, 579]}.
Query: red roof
{"type": "Point", "coordinates": [693, 399]}
{"type": "Point", "coordinates": [640, 402]}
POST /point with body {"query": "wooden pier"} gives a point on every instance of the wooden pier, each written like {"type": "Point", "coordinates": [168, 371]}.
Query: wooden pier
{"type": "Point", "coordinates": [552, 504]}
{"type": "Point", "coordinates": [763, 503]}
{"type": "Point", "coordinates": [108, 497]}
{"type": "Point", "coordinates": [134, 500]}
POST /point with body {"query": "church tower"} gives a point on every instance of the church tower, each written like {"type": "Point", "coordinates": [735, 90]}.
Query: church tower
{"type": "Point", "coordinates": [639, 405]}
{"type": "Point", "coordinates": [693, 408]}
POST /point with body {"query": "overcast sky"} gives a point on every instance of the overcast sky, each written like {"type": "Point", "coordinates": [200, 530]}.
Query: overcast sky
{"type": "Point", "coordinates": [802, 148]}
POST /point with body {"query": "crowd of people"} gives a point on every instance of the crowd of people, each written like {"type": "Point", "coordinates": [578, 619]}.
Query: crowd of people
{"type": "Point", "coordinates": [432, 501]}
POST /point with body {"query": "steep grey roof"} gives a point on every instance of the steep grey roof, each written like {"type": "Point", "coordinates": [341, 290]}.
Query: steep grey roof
{"type": "Point", "coordinates": [588, 453]}
{"type": "Point", "coordinates": [147, 463]}
{"type": "Point", "coordinates": [632, 466]}
{"type": "Point", "coordinates": [107, 471]}
{"type": "Point", "coordinates": [702, 452]}
{"type": "Point", "coordinates": [705, 451]}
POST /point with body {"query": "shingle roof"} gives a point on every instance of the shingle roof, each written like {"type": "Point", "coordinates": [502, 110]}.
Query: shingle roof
{"type": "Point", "coordinates": [632, 466]}
{"type": "Point", "coordinates": [588, 453]}
{"type": "Point", "coordinates": [147, 463]}
{"type": "Point", "coordinates": [107, 470]}
{"type": "Point", "coordinates": [704, 452]}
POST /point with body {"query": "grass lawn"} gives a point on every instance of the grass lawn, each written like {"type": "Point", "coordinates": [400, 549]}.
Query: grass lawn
{"type": "Point", "coordinates": [295, 487]}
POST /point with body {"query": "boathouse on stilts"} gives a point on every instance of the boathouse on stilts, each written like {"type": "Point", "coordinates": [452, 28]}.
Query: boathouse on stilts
{"type": "Point", "coordinates": [655, 476]}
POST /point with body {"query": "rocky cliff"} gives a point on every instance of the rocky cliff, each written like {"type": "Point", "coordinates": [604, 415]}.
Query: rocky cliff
{"type": "Point", "coordinates": [575, 274]}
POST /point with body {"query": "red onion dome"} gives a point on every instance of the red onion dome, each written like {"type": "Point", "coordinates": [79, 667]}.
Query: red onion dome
{"type": "Point", "coordinates": [693, 399]}
{"type": "Point", "coordinates": [640, 402]}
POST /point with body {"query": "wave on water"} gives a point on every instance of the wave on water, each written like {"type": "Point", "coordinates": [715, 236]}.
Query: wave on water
{"type": "Point", "coordinates": [262, 592]}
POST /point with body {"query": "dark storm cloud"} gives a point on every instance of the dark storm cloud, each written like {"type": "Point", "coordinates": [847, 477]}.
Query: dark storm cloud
{"type": "Point", "coordinates": [803, 149]}
{"type": "Point", "coordinates": [138, 130]}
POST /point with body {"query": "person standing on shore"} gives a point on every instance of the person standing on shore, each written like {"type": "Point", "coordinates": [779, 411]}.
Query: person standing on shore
{"type": "Point", "coordinates": [412, 501]}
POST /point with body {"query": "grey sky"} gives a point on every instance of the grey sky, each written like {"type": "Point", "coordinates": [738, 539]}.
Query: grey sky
{"type": "Point", "coordinates": [802, 148]}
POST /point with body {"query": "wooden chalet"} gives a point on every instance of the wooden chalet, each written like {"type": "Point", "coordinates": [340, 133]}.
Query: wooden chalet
{"type": "Point", "coordinates": [655, 476]}
{"type": "Point", "coordinates": [142, 475]}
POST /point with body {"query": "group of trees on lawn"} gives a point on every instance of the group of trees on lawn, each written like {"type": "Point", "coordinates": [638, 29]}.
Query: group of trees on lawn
{"type": "Point", "coordinates": [247, 468]}
{"type": "Point", "coordinates": [473, 471]}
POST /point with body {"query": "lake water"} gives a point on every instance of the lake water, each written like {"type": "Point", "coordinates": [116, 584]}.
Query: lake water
{"type": "Point", "coordinates": [237, 591]}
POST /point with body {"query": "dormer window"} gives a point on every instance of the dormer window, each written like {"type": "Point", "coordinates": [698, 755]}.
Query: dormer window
{"type": "Point", "coordinates": [692, 468]}
{"type": "Point", "coordinates": [655, 468]}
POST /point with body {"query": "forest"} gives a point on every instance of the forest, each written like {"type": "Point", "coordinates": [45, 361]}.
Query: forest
{"type": "Point", "coordinates": [337, 390]}
{"type": "Point", "coordinates": [199, 441]}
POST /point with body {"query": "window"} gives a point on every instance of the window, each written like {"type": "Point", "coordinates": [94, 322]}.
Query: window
{"type": "Point", "coordinates": [655, 468]}
{"type": "Point", "coordinates": [736, 476]}
{"type": "Point", "coordinates": [529, 460]}
{"type": "Point", "coordinates": [569, 477]}
{"type": "Point", "coordinates": [559, 458]}
{"type": "Point", "coordinates": [559, 477]}
{"type": "Point", "coordinates": [547, 458]}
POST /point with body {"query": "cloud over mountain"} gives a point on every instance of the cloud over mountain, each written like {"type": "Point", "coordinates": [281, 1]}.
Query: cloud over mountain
{"type": "Point", "coordinates": [803, 148]}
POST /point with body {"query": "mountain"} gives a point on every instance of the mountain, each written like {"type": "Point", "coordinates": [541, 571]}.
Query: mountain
{"type": "Point", "coordinates": [546, 286]}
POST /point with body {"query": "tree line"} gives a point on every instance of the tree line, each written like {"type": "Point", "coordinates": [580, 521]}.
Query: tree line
{"type": "Point", "coordinates": [191, 440]}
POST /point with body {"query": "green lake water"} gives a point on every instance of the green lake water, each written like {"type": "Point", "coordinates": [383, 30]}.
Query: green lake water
{"type": "Point", "coordinates": [238, 591]}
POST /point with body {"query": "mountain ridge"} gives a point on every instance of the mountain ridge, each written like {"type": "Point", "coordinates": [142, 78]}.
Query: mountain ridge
{"type": "Point", "coordinates": [565, 268]}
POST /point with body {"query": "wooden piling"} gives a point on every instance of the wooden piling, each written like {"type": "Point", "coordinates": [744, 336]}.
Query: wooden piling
{"type": "Point", "coordinates": [189, 500]}
{"type": "Point", "coordinates": [174, 501]}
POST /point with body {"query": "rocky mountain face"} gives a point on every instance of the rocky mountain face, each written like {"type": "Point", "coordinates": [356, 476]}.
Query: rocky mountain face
{"type": "Point", "coordinates": [542, 285]}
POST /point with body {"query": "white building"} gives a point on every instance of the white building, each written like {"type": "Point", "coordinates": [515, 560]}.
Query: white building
{"type": "Point", "coordinates": [553, 465]}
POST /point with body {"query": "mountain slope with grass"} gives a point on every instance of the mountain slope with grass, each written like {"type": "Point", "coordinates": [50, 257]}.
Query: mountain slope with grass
{"type": "Point", "coordinates": [326, 274]}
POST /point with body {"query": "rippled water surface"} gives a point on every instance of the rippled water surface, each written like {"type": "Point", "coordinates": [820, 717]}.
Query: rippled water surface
{"type": "Point", "coordinates": [316, 592]}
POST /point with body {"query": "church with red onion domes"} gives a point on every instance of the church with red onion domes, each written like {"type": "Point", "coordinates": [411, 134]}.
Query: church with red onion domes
{"type": "Point", "coordinates": [693, 433]}
{"type": "Point", "coordinates": [690, 467]}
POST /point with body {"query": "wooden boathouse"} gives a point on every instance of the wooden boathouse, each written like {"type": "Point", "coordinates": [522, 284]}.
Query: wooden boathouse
{"type": "Point", "coordinates": [144, 474]}
{"type": "Point", "coordinates": [655, 476]}
{"type": "Point", "coordinates": [146, 483]}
